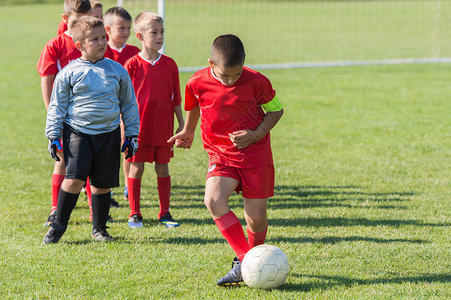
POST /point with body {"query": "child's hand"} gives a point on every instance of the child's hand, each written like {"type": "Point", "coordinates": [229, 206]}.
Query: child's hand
{"type": "Point", "coordinates": [243, 138]}
{"type": "Point", "coordinates": [182, 139]}
{"type": "Point", "coordinates": [179, 129]}
{"type": "Point", "coordinates": [130, 146]}
{"type": "Point", "coordinates": [54, 146]}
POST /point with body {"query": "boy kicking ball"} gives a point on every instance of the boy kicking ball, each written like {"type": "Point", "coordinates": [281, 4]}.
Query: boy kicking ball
{"type": "Point", "coordinates": [88, 98]}
{"type": "Point", "coordinates": [237, 107]}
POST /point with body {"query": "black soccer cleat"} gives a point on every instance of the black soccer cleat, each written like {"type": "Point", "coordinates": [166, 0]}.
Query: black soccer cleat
{"type": "Point", "coordinates": [51, 218]}
{"type": "Point", "coordinates": [100, 234]}
{"type": "Point", "coordinates": [234, 276]}
{"type": "Point", "coordinates": [54, 233]}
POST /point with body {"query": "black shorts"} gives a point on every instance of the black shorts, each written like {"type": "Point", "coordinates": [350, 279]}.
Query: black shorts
{"type": "Point", "coordinates": [95, 156]}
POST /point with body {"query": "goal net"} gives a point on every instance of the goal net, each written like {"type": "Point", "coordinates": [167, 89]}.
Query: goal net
{"type": "Point", "coordinates": [296, 33]}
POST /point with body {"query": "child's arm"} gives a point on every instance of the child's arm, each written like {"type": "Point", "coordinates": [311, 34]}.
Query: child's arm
{"type": "Point", "coordinates": [243, 138]}
{"type": "Point", "coordinates": [128, 106]}
{"type": "Point", "coordinates": [185, 138]}
{"type": "Point", "coordinates": [46, 88]}
{"type": "Point", "coordinates": [57, 109]}
{"type": "Point", "coordinates": [179, 115]}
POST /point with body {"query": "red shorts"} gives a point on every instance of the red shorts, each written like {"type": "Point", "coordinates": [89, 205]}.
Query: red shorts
{"type": "Point", "coordinates": [150, 154]}
{"type": "Point", "coordinates": [255, 183]}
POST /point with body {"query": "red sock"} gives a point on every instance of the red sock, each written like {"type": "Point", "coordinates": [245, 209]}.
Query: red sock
{"type": "Point", "coordinates": [164, 192]}
{"type": "Point", "coordinates": [230, 228]}
{"type": "Point", "coordinates": [134, 193]}
{"type": "Point", "coordinates": [89, 195]}
{"type": "Point", "coordinates": [256, 238]}
{"type": "Point", "coordinates": [57, 180]}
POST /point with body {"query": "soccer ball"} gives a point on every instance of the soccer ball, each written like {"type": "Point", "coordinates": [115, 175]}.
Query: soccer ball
{"type": "Point", "coordinates": [265, 267]}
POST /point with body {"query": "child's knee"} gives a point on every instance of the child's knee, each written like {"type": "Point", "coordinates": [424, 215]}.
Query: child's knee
{"type": "Point", "coordinates": [162, 170]}
{"type": "Point", "coordinates": [72, 186]}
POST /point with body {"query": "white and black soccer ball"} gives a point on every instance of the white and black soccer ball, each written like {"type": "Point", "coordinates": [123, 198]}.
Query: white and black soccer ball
{"type": "Point", "coordinates": [265, 267]}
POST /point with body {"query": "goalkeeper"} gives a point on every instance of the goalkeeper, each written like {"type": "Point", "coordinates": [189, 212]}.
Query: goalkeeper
{"type": "Point", "coordinates": [88, 98]}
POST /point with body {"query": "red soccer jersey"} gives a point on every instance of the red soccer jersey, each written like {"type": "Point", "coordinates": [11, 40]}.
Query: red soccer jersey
{"type": "Point", "coordinates": [123, 54]}
{"type": "Point", "coordinates": [56, 54]}
{"type": "Point", "coordinates": [157, 89]}
{"type": "Point", "coordinates": [226, 109]}
{"type": "Point", "coordinates": [62, 27]}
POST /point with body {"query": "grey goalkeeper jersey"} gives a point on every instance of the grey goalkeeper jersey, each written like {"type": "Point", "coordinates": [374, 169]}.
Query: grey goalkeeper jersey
{"type": "Point", "coordinates": [91, 97]}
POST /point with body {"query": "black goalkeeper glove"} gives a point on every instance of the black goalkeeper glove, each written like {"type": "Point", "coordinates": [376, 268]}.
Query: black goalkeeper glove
{"type": "Point", "coordinates": [54, 146]}
{"type": "Point", "coordinates": [131, 146]}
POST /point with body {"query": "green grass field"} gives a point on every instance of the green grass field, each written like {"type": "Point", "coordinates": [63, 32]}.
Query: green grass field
{"type": "Point", "coordinates": [361, 207]}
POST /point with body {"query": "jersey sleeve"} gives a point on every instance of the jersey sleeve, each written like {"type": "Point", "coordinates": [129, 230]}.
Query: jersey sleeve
{"type": "Point", "coordinates": [191, 101]}
{"type": "Point", "coordinates": [177, 94]}
{"type": "Point", "coordinates": [128, 105]}
{"type": "Point", "coordinates": [129, 66]}
{"type": "Point", "coordinates": [265, 90]}
{"type": "Point", "coordinates": [58, 107]}
{"type": "Point", "coordinates": [62, 27]}
{"type": "Point", "coordinates": [48, 61]}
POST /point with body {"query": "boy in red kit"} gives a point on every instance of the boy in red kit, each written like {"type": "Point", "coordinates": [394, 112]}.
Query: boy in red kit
{"type": "Point", "coordinates": [97, 12]}
{"type": "Point", "coordinates": [117, 25]}
{"type": "Point", "coordinates": [230, 100]}
{"type": "Point", "coordinates": [56, 54]}
{"type": "Point", "coordinates": [155, 78]}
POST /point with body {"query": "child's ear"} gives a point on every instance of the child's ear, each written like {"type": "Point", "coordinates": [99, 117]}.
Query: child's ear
{"type": "Point", "coordinates": [65, 18]}
{"type": "Point", "coordinates": [107, 29]}
{"type": "Point", "coordinates": [210, 62]}
{"type": "Point", "coordinates": [139, 36]}
{"type": "Point", "coordinates": [79, 46]}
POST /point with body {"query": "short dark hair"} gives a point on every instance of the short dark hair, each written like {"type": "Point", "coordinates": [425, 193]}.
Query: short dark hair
{"type": "Point", "coordinates": [228, 50]}
{"type": "Point", "coordinates": [76, 6]}
{"type": "Point", "coordinates": [82, 25]}
{"type": "Point", "coordinates": [116, 11]}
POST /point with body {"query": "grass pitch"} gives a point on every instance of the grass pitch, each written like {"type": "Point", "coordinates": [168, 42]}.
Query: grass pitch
{"type": "Point", "coordinates": [361, 206]}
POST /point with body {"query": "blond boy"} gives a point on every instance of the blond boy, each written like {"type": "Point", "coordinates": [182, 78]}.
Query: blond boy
{"type": "Point", "coordinates": [155, 78]}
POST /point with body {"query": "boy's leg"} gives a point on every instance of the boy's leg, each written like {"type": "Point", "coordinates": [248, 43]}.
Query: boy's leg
{"type": "Point", "coordinates": [89, 196]}
{"type": "Point", "coordinates": [164, 193]}
{"type": "Point", "coordinates": [100, 211]}
{"type": "Point", "coordinates": [104, 174]}
{"type": "Point", "coordinates": [134, 193]}
{"type": "Point", "coordinates": [164, 187]}
{"type": "Point", "coordinates": [125, 164]}
{"type": "Point", "coordinates": [217, 192]}
{"type": "Point", "coordinates": [126, 169]}
{"type": "Point", "coordinates": [67, 199]}
{"type": "Point", "coordinates": [258, 186]}
{"type": "Point", "coordinates": [59, 172]}
{"type": "Point", "coordinates": [70, 190]}
{"type": "Point", "coordinates": [256, 220]}
{"type": "Point", "coordinates": [100, 206]}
